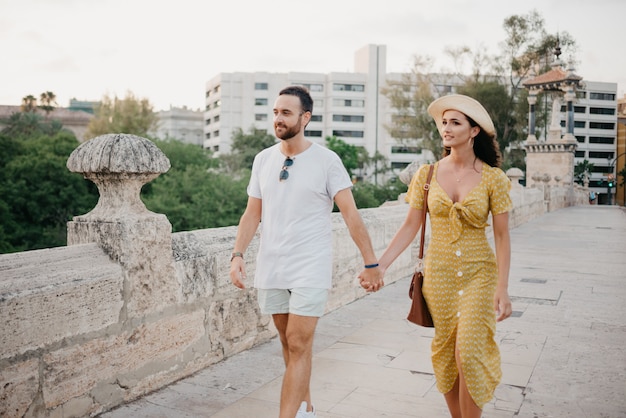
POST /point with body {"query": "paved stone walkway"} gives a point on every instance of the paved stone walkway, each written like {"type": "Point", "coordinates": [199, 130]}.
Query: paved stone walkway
{"type": "Point", "coordinates": [563, 351]}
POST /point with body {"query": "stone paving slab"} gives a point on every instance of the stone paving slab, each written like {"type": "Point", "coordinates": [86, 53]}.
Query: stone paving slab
{"type": "Point", "coordinates": [562, 353]}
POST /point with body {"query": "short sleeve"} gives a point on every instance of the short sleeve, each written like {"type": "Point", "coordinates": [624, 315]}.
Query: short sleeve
{"type": "Point", "coordinates": [415, 193]}
{"type": "Point", "coordinates": [499, 193]}
{"type": "Point", "coordinates": [254, 187]}
{"type": "Point", "coordinates": [338, 178]}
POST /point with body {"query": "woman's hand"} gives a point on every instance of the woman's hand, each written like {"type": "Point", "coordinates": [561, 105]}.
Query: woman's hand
{"type": "Point", "coordinates": [502, 305]}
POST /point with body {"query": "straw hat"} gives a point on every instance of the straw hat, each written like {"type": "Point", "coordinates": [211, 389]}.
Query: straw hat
{"type": "Point", "coordinates": [464, 104]}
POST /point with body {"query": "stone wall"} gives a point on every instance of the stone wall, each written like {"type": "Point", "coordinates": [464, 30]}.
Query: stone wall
{"type": "Point", "coordinates": [128, 307]}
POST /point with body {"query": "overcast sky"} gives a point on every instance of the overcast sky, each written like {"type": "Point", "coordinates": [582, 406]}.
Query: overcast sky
{"type": "Point", "coordinates": [166, 51]}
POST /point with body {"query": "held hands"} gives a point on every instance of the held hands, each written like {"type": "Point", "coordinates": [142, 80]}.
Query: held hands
{"type": "Point", "coordinates": [502, 305]}
{"type": "Point", "coordinates": [371, 279]}
{"type": "Point", "coordinates": [238, 272]}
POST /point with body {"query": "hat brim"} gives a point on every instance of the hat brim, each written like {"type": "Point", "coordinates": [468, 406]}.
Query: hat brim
{"type": "Point", "coordinates": [466, 105]}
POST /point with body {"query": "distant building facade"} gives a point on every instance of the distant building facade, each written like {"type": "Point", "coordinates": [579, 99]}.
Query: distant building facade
{"type": "Point", "coordinates": [180, 123]}
{"type": "Point", "coordinates": [348, 106]}
{"type": "Point", "coordinates": [595, 129]}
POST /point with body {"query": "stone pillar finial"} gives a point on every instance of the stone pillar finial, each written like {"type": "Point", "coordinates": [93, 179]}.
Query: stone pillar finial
{"type": "Point", "coordinates": [138, 239]}
{"type": "Point", "coordinates": [119, 164]}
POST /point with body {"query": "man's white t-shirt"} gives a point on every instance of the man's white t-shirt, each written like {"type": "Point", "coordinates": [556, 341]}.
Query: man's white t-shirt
{"type": "Point", "coordinates": [296, 229]}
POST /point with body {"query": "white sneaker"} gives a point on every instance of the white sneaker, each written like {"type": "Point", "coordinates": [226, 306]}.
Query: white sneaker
{"type": "Point", "coordinates": [303, 413]}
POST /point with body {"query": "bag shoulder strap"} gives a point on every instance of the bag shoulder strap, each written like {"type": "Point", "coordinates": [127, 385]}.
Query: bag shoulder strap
{"type": "Point", "coordinates": [425, 209]}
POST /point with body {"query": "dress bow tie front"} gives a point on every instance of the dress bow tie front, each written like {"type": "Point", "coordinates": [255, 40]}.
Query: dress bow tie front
{"type": "Point", "coordinates": [458, 214]}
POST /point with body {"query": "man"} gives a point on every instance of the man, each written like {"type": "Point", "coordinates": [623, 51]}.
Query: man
{"type": "Point", "coordinates": [290, 194]}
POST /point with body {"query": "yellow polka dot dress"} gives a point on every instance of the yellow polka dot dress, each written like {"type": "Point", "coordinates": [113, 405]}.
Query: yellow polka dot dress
{"type": "Point", "coordinates": [460, 279]}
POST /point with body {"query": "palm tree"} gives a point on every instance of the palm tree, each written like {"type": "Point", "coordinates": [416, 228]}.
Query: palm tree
{"type": "Point", "coordinates": [48, 102]}
{"type": "Point", "coordinates": [29, 104]}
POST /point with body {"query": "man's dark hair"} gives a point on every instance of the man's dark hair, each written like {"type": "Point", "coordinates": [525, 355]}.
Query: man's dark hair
{"type": "Point", "coordinates": [302, 93]}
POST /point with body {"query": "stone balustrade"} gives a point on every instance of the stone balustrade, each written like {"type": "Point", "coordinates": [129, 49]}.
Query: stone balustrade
{"type": "Point", "coordinates": [128, 307]}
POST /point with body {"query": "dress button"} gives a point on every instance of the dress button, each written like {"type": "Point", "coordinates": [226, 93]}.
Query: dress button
{"type": "Point", "coordinates": [460, 274]}
{"type": "Point", "coordinates": [460, 293]}
{"type": "Point", "coordinates": [458, 253]}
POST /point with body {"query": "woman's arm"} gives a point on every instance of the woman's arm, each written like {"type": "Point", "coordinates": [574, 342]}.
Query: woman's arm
{"type": "Point", "coordinates": [502, 302]}
{"type": "Point", "coordinates": [403, 237]}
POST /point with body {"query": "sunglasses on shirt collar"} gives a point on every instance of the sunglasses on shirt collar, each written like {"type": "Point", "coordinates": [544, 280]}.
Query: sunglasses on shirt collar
{"type": "Point", "coordinates": [284, 174]}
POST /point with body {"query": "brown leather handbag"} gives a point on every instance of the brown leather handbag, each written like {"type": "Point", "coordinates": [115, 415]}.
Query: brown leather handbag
{"type": "Point", "coordinates": [419, 313]}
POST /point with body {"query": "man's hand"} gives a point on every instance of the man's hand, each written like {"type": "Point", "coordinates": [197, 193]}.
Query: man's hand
{"type": "Point", "coordinates": [238, 272]}
{"type": "Point", "coordinates": [371, 279]}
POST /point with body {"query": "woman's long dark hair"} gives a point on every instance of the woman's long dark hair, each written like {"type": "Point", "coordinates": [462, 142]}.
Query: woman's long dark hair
{"type": "Point", "coordinates": [486, 147]}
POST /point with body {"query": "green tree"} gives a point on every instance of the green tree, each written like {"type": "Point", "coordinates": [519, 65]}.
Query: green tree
{"type": "Point", "coordinates": [129, 115]}
{"type": "Point", "coordinates": [38, 194]}
{"type": "Point", "coordinates": [410, 97]}
{"type": "Point", "coordinates": [27, 124]}
{"type": "Point", "coordinates": [244, 147]}
{"type": "Point", "coordinates": [582, 170]}
{"type": "Point", "coordinates": [193, 194]}
{"type": "Point", "coordinates": [356, 160]}
{"type": "Point", "coordinates": [496, 81]}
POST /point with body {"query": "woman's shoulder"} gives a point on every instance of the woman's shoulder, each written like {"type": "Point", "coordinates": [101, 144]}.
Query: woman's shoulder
{"type": "Point", "coordinates": [495, 174]}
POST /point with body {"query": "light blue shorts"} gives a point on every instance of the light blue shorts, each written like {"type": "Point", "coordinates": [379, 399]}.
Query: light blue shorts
{"type": "Point", "coordinates": [303, 301]}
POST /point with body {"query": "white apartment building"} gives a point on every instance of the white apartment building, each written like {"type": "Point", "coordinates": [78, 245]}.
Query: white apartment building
{"type": "Point", "coordinates": [180, 123]}
{"type": "Point", "coordinates": [595, 129]}
{"type": "Point", "coordinates": [346, 105]}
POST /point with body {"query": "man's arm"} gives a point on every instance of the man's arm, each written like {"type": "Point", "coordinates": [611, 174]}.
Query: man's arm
{"type": "Point", "coordinates": [360, 236]}
{"type": "Point", "coordinates": [248, 225]}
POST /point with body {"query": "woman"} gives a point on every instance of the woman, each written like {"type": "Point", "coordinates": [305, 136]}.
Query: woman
{"type": "Point", "coordinates": [465, 286]}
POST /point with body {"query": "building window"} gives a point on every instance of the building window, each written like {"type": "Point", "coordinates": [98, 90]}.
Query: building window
{"type": "Point", "coordinates": [207, 135]}
{"type": "Point", "coordinates": [216, 148]}
{"type": "Point", "coordinates": [216, 119]}
{"type": "Point", "coordinates": [601, 154]}
{"type": "Point", "coordinates": [217, 104]}
{"type": "Point", "coordinates": [398, 165]}
{"type": "Point", "coordinates": [401, 149]}
{"type": "Point", "coordinates": [581, 94]}
{"type": "Point", "coordinates": [577, 109]}
{"type": "Point", "coordinates": [260, 117]}
{"type": "Point", "coordinates": [580, 139]}
{"type": "Point", "coordinates": [602, 96]}
{"type": "Point", "coordinates": [317, 103]}
{"type": "Point", "coordinates": [216, 133]}
{"type": "Point", "coordinates": [317, 134]}
{"type": "Point", "coordinates": [316, 118]}
{"type": "Point", "coordinates": [348, 118]}
{"type": "Point", "coordinates": [260, 102]}
{"type": "Point", "coordinates": [580, 154]}
{"type": "Point", "coordinates": [216, 89]}
{"type": "Point", "coordinates": [260, 86]}
{"type": "Point", "coordinates": [601, 140]}
{"type": "Point", "coordinates": [348, 103]}
{"type": "Point", "coordinates": [207, 122]}
{"type": "Point", "coordinates": [443, 89]}
{"type": "Point", "coordinates": [348, 87]}
{"type": "Point", "coordinates": [348, 134]}
{"type": "Point", "coordinates": [601, 111]}
{"type": "Point", "coordinates": [601, 125]}
{"type": "Point", "coordinates": [313, 87]}
{"type": "Point", "coordinates": [260, 131]}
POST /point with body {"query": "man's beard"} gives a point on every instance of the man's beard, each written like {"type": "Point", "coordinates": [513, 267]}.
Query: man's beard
{"type": "Point", "coordinates": [289, 132]}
